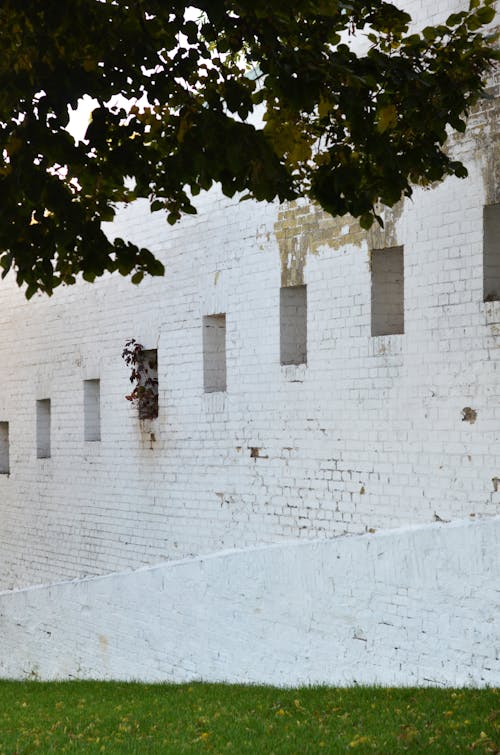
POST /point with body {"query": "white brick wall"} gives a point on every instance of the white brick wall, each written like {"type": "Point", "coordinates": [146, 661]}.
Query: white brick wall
{"type": "Point", "coordinates": [404, 607]}
{"type": "Point", "coordinates": [370, 434]}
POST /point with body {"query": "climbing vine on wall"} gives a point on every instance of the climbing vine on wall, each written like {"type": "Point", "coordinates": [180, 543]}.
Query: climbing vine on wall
{"type": "Point", "coordinates": [143, 364]}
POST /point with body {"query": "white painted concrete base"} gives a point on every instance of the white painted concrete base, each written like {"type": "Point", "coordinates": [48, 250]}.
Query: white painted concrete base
{"type": "Point", "coordinates": [401, 607]}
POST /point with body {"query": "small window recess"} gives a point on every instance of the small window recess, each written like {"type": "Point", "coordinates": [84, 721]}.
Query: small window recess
{"type": "Point", "coordinates": [293, 325]}
{"type": "Point", "coordinates": [214, 353]}
{"type": "Point", "coordinates": [491, 252]}
{"type": "Point", "coordinates": [4, 448]}
{"type": "Point", "coordinates": [92, 410]}
{"type": "Point", "coordinates": [143, 364]}
{"type": "Point", "coordinates": [387, 291]}
{"type": "Point", "coordinates": [148, 384]}
{"type": "Point", "coordinates": [43, 428]}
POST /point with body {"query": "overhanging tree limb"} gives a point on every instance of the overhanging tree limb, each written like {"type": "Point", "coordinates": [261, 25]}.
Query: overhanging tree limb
{"type": "Point", "coordinates": [347, 130]}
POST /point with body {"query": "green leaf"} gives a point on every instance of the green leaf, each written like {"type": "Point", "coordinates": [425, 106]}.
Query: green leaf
{"type": "Point", "coordinates": [485, 14]}
{"type": "Point", "coordinates": [387, 118]}
{"type": "Point", "coordinates": [460, 170]}
{"type": "Point", "coordinates": [366, 221]}
{"type": "Point", "coordinates": [429, 33]}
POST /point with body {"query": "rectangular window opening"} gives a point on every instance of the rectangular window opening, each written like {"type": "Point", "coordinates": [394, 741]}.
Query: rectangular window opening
{"type": "Point", "coordinates": [491, 252]}
{"type": "Point", "coordinates": [92, 410]}
{"type": "Point", "coordinates": [43, 428]}
{"type": "Point", "coordinates": [387, 267]}
{"type": "Point", "coordinates": [214, 353]}
{"type": "Point", "coordinates": [147, 387]}
{"type": "Point", "coordinates": [293, 325]}
{"type": "Point", "coordinates": [4, 448]}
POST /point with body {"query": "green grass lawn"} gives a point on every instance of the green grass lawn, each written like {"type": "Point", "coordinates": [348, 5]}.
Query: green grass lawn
{"type": "Point", "coordinates": [145, 718]}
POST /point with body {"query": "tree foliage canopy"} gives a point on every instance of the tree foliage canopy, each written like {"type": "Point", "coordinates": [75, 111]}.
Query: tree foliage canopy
{"type": "Point", "coordinates": [346, 129]}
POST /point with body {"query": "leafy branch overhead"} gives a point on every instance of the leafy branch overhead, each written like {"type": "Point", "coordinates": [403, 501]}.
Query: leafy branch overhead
{"type": "Point", "coordinates": [347, 130]}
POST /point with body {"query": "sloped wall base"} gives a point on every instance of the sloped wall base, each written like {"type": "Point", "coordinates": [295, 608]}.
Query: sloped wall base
{"type": "Point", "coordinates": [401, 607]}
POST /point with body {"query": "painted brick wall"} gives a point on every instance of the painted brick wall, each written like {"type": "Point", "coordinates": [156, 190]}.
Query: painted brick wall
{"type": "Point", "coordinates": [369, 434]}
{"type": "Point", "coordinates": [403, 607]}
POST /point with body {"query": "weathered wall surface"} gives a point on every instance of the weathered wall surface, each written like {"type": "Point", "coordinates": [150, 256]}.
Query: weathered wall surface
{"type": "Point", "coordinates": [373, 432]}
{"type": "Point", "coordinates": [417, 606]}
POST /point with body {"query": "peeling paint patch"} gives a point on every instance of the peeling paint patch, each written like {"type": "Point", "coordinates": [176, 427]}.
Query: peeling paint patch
{"type": "Point", "coordinates": [469, 415]}
{"type": "Point", "coordinates": [482, 135]}
{"type": "Point", "coordinates": [386, 237]}
{"type": "Point", "coordinates": [303, 229]}
{"type": "Point", "coordinates": [487, 143]}
{"type": "Point", "coordinates": [255, 453]}
{"type": "Point", "coordinates": [359, 634]}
